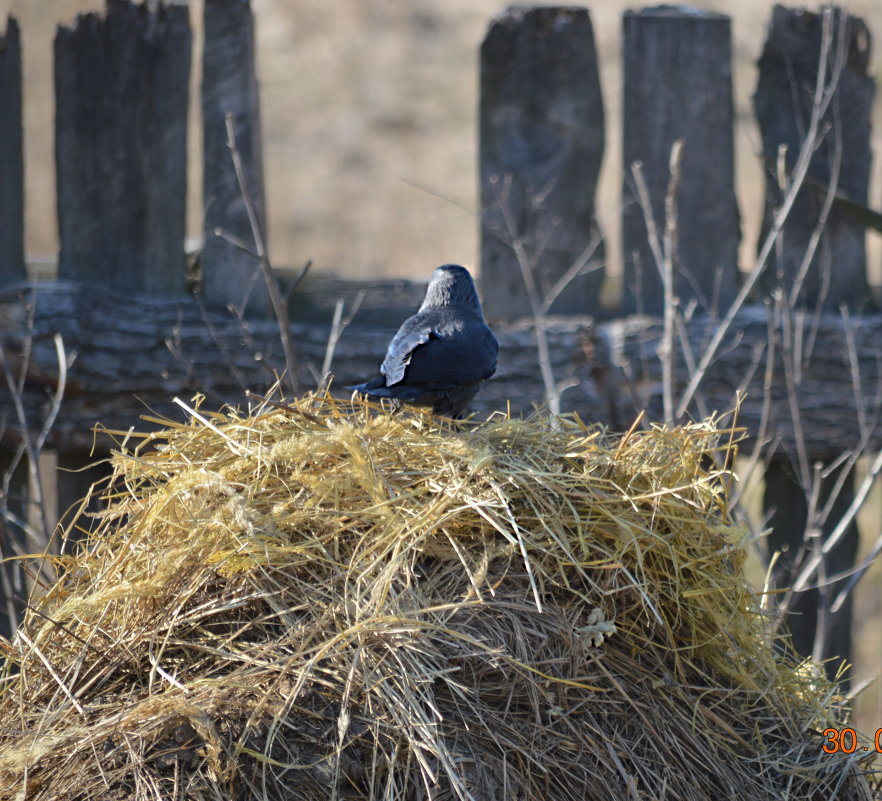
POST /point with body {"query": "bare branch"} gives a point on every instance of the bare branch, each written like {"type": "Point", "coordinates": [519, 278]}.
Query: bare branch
{"type": "Point", "coordinates": [280, 310]}
{"type": "Point", "coordinates": [822, 97]}
{"type": "Point", "coordinates": [670, 307]}
{"type": "Point", "coordinates": [577, 268]}
{"type": "Point", "coordinates": [809, 571]}
{"type": "Point", "coordinates": [338, 326]}
{"type": "Point", "coordinates": [517, 244]}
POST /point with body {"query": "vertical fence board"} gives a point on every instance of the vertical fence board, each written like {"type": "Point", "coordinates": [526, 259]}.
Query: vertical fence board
{"type": "Point", "coordinates": [678, 86]}
{"type": "Point", "coordinates": [12, 263]}
{"type": "Point", "coordinates": [541, 144]}
{"type": "Point", "coordinates": [229, 86]}
{"type": "Point", "coordinates": [788, 70]}
{"type": "Point", "coordinates": [785, 505]}
{"type": "Point", "coordinates": [121, 93]}
{"type": "Point", "coordinates": [13, 483]}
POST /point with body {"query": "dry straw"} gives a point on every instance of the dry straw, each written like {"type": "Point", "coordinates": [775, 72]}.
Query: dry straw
{"type": "Point", "coordinates": [326, 601]}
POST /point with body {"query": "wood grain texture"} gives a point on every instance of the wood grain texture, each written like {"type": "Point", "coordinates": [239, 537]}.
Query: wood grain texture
{"type": "Point", "coordinates": [541, 146]}
{"type": "Point", "coordinates": [12, 263]}
{"type": "Point", "coordinates": [128, 361]}
{"type": "Point", "coordinates": [121, 95]}
{"type": "Point", "coordinates": [229, 86]}
{"type": "Point", "coordinates": [785, 92]}
{"type": "Point", "coordinates": [678, 87]}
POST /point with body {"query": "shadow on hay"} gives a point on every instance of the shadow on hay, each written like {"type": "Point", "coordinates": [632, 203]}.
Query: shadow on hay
{"type": "Point", "coordinates": [327, 601]}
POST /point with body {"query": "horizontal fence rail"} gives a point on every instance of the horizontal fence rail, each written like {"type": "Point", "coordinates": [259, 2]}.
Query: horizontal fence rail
{"type": "Point", "coordinates": [172, 347]}
{"type": "Point", "coordinates": [130, 323]}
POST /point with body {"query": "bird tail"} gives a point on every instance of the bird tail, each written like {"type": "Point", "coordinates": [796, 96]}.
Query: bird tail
{"type": "Point", "coordinates": [377, 388]}
{"type": "Point", "coordinates": [368, 387]}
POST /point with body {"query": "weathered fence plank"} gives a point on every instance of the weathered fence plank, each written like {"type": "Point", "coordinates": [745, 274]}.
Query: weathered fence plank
{"type": "Point", "coordinates": [784, 98]}
{"type": "Point", "coordinates": [542, 140]}
{"type": "Point", "coordinates": [229, 86]}
{"type": "Point", "coordinates": [13, 475]}
{"type": "Point", "coordinates": [678, 86]}
{"type": "Point", "coordinates": [785, 507]}
{"type": "Point", "coordinates": [121, 92]}
{"type": "Point", "coordinates": [12, 263]}
{"type": "Point", "coordinates": [820, 260]}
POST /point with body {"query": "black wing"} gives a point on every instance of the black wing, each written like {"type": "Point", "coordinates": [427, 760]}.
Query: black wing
{"type": "Point", "coordinates": [401, 350]}
{"type": "Point", "coordinates": [447, 351]}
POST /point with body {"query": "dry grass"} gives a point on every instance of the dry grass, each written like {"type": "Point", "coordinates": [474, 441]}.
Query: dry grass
{"type": "Point", "coordinates": [328, 601]}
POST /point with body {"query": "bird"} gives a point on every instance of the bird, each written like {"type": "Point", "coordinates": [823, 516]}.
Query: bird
{"type": "Point", "coordinates": [441, 355]}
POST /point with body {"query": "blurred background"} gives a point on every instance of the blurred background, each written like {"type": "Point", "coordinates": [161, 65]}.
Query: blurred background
{"type": "Point", "coordinates": [370, 141]}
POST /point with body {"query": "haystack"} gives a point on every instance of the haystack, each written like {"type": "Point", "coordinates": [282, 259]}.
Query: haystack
{"type": "Point", "coordinates": [326, 601]}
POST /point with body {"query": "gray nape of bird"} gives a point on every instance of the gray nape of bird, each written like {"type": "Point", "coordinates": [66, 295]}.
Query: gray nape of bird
{"type": "Point", "coordinates": [442, 354]}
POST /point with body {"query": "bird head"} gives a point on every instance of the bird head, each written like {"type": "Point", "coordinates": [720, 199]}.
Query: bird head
{"type": "Point", "coordinates": [451, 285]}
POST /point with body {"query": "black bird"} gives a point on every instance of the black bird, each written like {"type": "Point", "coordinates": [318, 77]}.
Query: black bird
{"type": "Point", "coordinates": [442, 354]}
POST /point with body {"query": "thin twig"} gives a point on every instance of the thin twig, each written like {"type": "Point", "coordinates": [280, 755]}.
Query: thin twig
{"type": "Point", "coordinates": [857, 573]}
{"type": "Point", "coordinates": [520, 251]}
{"type": "Point", "coordinates": [670, 308]}
{"type": "Point", "coordinates": [32, 445]}
{"type": "Point", "coordinates": [821, 101]}
{"type": "Point", "coordinates": [760, 443]}
{"type": "Point", "coordinates": [790, 345]}
{"type": "Point", "coordinates": [657, 249]}
{"type": "Point", "coordinates": [808, 572]}
{"type": "Point", "coordinates": [301, 274]}
{"type": "Point", "coordinates": [577, 268]}
{"type": "Point", "coordinates": [338, 326]}
{"type": "Point", "coordinates": [280, 310]}
{"type": "Point", "coordinates": [840, 52]}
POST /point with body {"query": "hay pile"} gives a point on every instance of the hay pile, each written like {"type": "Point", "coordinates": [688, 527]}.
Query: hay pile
{"type": "Point", "coordinates": [331, 602]}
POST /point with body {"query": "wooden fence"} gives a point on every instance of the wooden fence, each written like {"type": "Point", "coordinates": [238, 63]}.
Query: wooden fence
{"type": "Point", "coordinates": [134, 337]}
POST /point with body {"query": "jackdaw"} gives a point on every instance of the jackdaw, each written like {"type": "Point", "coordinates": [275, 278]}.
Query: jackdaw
{"type": "Point", "coordinates": [442, 354]}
